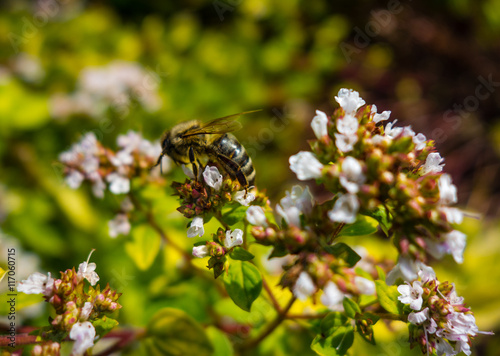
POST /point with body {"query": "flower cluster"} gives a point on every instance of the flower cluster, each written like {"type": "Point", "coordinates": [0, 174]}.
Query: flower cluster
{"type": "Point", "coordinates": [77, 308]}
{"type": "Point", "coordinates": [439, 320]}
{"type": "Point", "coordinates": [90, 160]}
{"type": "Point", "coordinates": [117, 86]}
{"type": "Point", "coordinates": [369, 166]}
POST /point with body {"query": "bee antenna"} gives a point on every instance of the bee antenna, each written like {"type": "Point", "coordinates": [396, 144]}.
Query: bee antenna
{"type": "Point", "coordinates": [159, 162]}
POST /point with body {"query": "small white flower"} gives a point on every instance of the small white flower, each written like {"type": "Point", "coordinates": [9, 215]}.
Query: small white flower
{"type": "Point", "coordinates": [319, 124]}
{"type": "Point", "coordinates": [407, 269]}
{"type": "Point", "coordinates": [456, 241]}
{"type": "Point", "coordinates": [118, 184]}
{"type": "Point", "coordinates": [426, 273]}
{"type": "Point", "coordinates": [352, 174]}
{"type": "Point", "coordinates": [87, 270]}
{"type": "Point", "coordinates": [74, 179]}
{"type": "Point", "coordinates": [295, 203]}
{"type": "Point", "coordinates": [86, 310]}
{"type": "Point", "coordinates": [444, 348]}
{"type": "Point", "coordinates": [419, 141]}
{"type": "Point", "coordinates": [379, 140]}
{"type": "Point", "coordinates": [83, 334]}
{"type": "Point", "coordinates": [200, 251]}
{"type": "Point", "coordinates": [122, 158]}
{"type": "Point", "coordinates": [411, 294]}
{"type": "Point", "coordinates": [212, 177]}
{"type": "Point", "coordinates": [345, 143]}
{"type": "Point", "coordinates": [119, 225]}
{"type": "Point", "coordinates": [234, 238]}
{"type": "Point", "coordinates": [381, 117]}
{"type": "Point", "coordinates": [240, 197]}
{"type": "Point", "coordinates": [433, 163]}
{"type": "Point", "coordinates": [365, 286]}
{"type": "Point", "coordinates": [349, 100]}
{"type": "Point", "coordinates": [418, 318]}
{"type": "Point", "coordinates": [196, 227]}
{"type": "Point", "coordinates": [447, 190]}
{"type": "Point", "coordinates": [256, 216]}
{"type": "Point", "coordinates": [305, 165]}
{"type": "Point", "coordinates": [348, 125]}
{"type": "Point", "coordinates": [37, 283]}
{"type": "Point", "coordinates": [453, 215]}
{"type": "Point", "coordinates": [304, 286]}
{"type": "Point", "coordinates": [345, 209]}
{"type": "Point", "coordinates": [391, 131]}
{"type": "Point", "coordinates": [332, 297]}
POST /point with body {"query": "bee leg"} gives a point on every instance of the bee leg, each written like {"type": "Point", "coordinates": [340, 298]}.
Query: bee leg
{"type": "Point", "coordinates": [193, 163]}
{"type": "Point", "coordinates": [235, 169]}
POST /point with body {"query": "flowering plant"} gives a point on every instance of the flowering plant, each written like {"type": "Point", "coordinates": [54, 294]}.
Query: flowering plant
{"type": "Point", "coordinates": [382, 180]}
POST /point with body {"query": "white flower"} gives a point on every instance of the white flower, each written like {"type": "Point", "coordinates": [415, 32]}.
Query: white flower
{"type": "Point", "coordinates": [381, 117]}
{"type": "Point", "coordinates": [122, 158]}
{"type": "Point", "coordinates": [345, 143]}
{"type": "Point", "coordinates": [456, 241]}
{"type": "Point", "coordinates": [418, 318]}
{"type": "Point", "coordinates": [234, 238]}
{"type": "Point", "coordinates": [443, 348]}
{"type": "Point", "coordinates": [119, 225]}
{"type": "Point", "coordinates": [419, 141]}
{"type": "Point", "coordinates": [118, 184]}
{"type": "Point", "coordinates": [86, 310]}
{"type": "Point", "coordinates": [345, 209]}
{"type": "Point", "coordinates": [408, 270]}
{"type": "Point", "coordinates": [304, 286]}
{"type": "Point", "coordinates": [447, 190]}
{"type": "Point", "coordinates": [212, 177]}
{"type": "Point", "coordinates": [256, 216]}
{"type": "Point", "coordinates": [319, 124]}
{"type": "Point", "coordinates": [453, 215]}
{"type": "Point", "coordinates": [432, 163]}
{"type": "Point", "coordinates": [83, 334]}
{"type": "Point", "coordinates": [426, 273]}
{"type": "Point", "coordinates": [200, 251]}
{"type": "Point", "coordinates": [295, 203]}
{"type": "Point", "coordinates": [391, 131]}
{"type": "Point", "coordinates": [352, 175]}
{"type": "Point", "coordinates": [411, 294]}
{"type": "Point", "coordinates": [349, 100]}
{"type": "Point", "coordinates": [37, 283]}
{"type": "Point", "coordinates": [74, 179]}
{"type": "Point", "coordinates": [305, 165]}
{"type": "Point", "coordinates": [365, 286]}
{"type": "Point", "coordinates": [240, 197]}
{"type": "Point", "coordinates": [87, 270]}
{"type": "Point", "coordinates": [332, 297]}
{"type": "Point", "coordinates": [196, 227]}
{"type": "Point", "coordinates": [348, 125]}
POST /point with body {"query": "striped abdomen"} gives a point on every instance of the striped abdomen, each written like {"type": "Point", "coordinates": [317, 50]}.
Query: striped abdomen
{"type": "Point", "coordinates": [235, 159]}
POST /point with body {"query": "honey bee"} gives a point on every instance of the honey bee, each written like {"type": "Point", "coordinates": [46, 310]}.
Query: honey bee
{"type": "Point", "coordinates": [188, 141]}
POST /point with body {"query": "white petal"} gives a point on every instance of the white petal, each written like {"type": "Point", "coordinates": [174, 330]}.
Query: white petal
{"type": "Point", "coordinates": [364, 285]}
{"type": "Point", "coordinates": [345, 209]}
{"type": "Point", "coordinates": [196, 227]}
{"type": "Point", "coordinates": [456, 241]}
{"type": "Point", "coordinates": [83, 334]}
{"type": "Point", "coordinates": [119, 225]}
{"type": "Point", "coordinates": [347, 125]}
{"type": "Point", "coordinates": [86, 310]}
{"type": "Point", "coordinates": [420, 141]}
{"type": "Point", "coordinates": [418, 318]}
{"type": "Point", "coordinates": [240, 197]}
{"type": "Point", "coordinates": [212, 177]}
{"type": "Point", "coordinates": [234, 238]}
{"type": "Point", "coordinates": [381, 117]}
{"type": "Point", "coordinates": [349, 100]}
{"type": "Point", "coordinates": [256, 216]}
{"type": "Point", "coordinates": [74, 179]}
{"type": "Point", "coordinates": [433, 164]}
{"type": "Point", "coordinates": [118, 184]}
{"type": "Point", "coordinates": [447, 190]}
{"type": "Point", "coordinates": [37, 283]}
{"type": "Point", "coordinates": [332, 296]}
{"type": "Point", "coordinates": [319, 124]}
{"type": "Point", "coordinates": [304, 286]}
{"type": "Point", "coordinates": [200, 251]}
{"type": "Point", "coordinates": [87, 271]}
{"type": "Point", "coordinates": [305, 165]}
{"type": "Point", "coordinates": [345, 143]}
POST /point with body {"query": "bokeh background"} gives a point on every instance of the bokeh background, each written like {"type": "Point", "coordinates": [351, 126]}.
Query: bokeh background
{"type": "Point", "coordinates": [435, 65]}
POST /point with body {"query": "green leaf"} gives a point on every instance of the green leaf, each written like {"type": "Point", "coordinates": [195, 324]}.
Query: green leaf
{"type": "Point", "coordinates": [381, 273]}
{"type": "Point", "coordinates": [243, 283]}
{"type": "Point", "coordinates": [173, 332]}
{"type": "Point", "coordinates": [144, 246]}
{"type": "Point", "coordinates": [222, 345]}
{"type": "Point", "coordinates": [351, 308]}
{"type": "Point", "coordinates": [234, 215]}
{"type": "Point", "coordinates": [104, 325]}
{"type": "Point", "coordinates": [364, 225]}
{"type": "Point", "coordinates": [343, 251]}
{"type": "Point", "coordinates": [278, 251]}
{"type": "Point", "coordinates": [387, 296]}
{"type": "Point", "coordinates": [337, 343]}
{"type": "Point", "coordinates": [241, 254]}
{"type": "Point", "coordinates": [3, 272]}
{"type": "Point", "coordinates": [332, 320]}
{"type": "Point", "coordinates": [383, 217]}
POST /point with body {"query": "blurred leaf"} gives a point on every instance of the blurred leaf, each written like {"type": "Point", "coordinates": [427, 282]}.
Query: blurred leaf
{"type": "Point", "coordinates": [382, 216]}
{"type": "Point", "coordinates": [173, 332]}
{"type": "Point", "coordinates": [241, 254]}
{"type": "Point", "coordinates": [2, 273]}
{"type": "Point", "coordinates": [234, 214]}
{"type": "Point", "coordinates": [331, 321]}
{"type": "Point", "coordinates": [387, 296]}
{"type": "Point", "coordinates": [364, 225]}
{"type": "Point", "coordinates": [144, 246]}
{"type": "Point", "coordinates": [351, 307]}
{"type": "Point", "coordinates": [104, 325]}
{"type": "Point", "coordinates": [337, 343]}
{"type": "Point", "coordinates": [345, 252]}
{"type": "Point", "coordinates": [243, 283]}
{"type": "Point", "coordinates": [381, 273]}
{"type": "Point", "coordinates": [220, 341]}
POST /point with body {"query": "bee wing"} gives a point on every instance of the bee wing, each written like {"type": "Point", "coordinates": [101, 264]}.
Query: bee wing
{"type": "Point", "coordinates": [219, 126]}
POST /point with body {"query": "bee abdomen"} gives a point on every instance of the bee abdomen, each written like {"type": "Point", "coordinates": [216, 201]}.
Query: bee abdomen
{"type": "Point", "coordinates": [229, 147]}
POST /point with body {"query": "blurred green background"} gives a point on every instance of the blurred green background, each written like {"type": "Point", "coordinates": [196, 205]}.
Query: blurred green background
{"type": "Point", "coordinates": [434, 64]}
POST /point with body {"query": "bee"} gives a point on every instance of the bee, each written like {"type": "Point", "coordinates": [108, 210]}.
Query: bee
{"type": "Point", "coordinates": [186, 142]}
